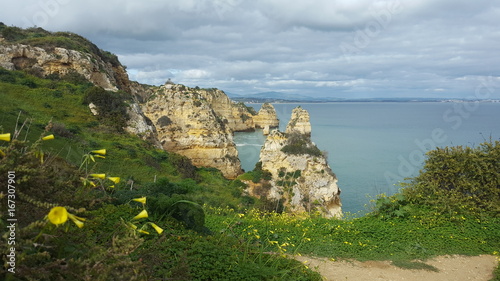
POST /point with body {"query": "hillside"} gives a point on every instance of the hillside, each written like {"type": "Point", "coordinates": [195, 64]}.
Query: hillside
{"type": "Point", "coordinates": [95, 196]}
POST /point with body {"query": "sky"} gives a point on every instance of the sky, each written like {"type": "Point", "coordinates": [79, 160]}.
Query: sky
{"type": "Point", "coordinates": [318, 48]}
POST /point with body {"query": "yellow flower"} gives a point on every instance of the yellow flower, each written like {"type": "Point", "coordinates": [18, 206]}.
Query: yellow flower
{"type": "Point", "coordinates": [133, 226]}
{"type": "Point", "coordinates": [100, 156]}
{"type": "Point", "coordinates": [76, 220]}
{"type": "Point", "coordinates": [49, 137]}
{"type": "Point", "coordinates": [100, 151]}
{"type": "Point", "coordinates": [58, 215]}
{"type": "Point", "coordinates": [140, 200]}
{"type": "Point", "coordinates": [142, 214]}
{"type": "Point", "coordinates": [98, 176]}
{"type": "Point", "coordinates": [143, 231]}
{"type": "Point", "coordinates": [157, 228]}
{"type": "Point", "coordinates": [114, 179]}
{"type": "Point", "coordinates": [5, 137]}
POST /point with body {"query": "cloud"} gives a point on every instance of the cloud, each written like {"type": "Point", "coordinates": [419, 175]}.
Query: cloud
{"type": "Point", "coordinates": [428, 48]}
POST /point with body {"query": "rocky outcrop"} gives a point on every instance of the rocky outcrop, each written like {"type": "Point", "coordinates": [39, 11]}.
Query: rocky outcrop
{"type": "Point", "coordinates": [140, 125]}
{"type": "Point", "coordinates": [238, 117]}
{"type": "Point", "coordinates": [301, 178]}
{"type": "Point", "coordinates": [299, 122]}
{"type": "Point", "coordinates": [62, 62]}
{"type": "Point", "coordinates": [266, 118]}
{"type": "Point", "coordinates": [187, 124]}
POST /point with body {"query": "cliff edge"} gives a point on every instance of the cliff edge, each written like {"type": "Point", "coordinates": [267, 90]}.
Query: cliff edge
{"type": "Point", "coordinates": [187, 124]}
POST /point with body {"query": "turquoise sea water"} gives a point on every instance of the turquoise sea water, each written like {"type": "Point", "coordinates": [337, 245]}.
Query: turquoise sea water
{"type": "Point", "coordinates": [371, 146]}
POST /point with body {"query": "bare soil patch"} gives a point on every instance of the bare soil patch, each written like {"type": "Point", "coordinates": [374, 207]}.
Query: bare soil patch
{"type": "Point", "coordinates": [452, 268]}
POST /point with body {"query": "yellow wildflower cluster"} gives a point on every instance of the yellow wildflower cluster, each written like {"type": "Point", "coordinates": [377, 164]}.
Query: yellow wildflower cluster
{"type": "Point", "coordinates": [283, 232]}
{"type": "Point", "coordinates": [100, 153]}
{"type": "Point", "coordinates": [142, 215]}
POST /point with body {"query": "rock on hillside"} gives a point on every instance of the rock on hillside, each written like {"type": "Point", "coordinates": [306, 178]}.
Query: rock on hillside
{"type": "Point", "coordinates": [301, 177]}
{"type": "Point", "coordinates": [62, 61]}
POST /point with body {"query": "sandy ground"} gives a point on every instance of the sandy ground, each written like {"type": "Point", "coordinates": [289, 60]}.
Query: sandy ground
{"type": "Point", "coordinates": [452, 268]}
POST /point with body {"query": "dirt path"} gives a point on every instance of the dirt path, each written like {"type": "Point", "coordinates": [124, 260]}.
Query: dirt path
{"type": "Point", "coordinates": [452, 268]}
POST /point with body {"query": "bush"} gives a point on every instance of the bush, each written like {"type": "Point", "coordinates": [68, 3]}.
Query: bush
{"type": "Point", "coordinates": [459, 179]}
{"type": "Point", "coordinates": [183, 165]}
{"type": "Point", "coordinates": [11, 33]}
{"type": "Point", "coordinates": [110, 105]}
{"type": "Point", "coordinates": [298, 144]}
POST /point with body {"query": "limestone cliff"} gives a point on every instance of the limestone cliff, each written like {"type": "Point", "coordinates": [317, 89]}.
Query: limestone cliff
{"type": "Point", "coordinates": [62, 61]}
{"type": "Point", "coordinates": [238, 117]}
{"type": "Point", "coordinates": [187, 124]}
{"type": "Point", "coordinates": [301, 177]}
{"type": "Point", "coordinates": [266, 118]}
{"type": "Point", "coordinates": [299, 122]}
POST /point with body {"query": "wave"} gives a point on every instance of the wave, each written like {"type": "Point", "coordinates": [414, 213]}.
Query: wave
{"type": "Point", "coordinates": [248, 144]}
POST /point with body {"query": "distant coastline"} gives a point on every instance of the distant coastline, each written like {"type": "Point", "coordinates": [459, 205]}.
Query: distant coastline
{"type": "Point", "coordinates": [335, 100]}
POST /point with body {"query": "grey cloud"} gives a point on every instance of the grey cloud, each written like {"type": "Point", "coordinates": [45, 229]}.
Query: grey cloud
{"type": "Point", "coordinates": [398, 48]}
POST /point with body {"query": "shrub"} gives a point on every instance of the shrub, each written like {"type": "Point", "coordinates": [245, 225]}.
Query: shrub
{"type": "Point", "coordinates": [110, 105]}
{"type": "Point", "coordinates": [459, 179]}
{"type": "Point", "coordinates": [61, 130]}
{"type": "Point", "coordinates": [184, 166]}
{"type": "Point", "coordinates": [298, 144]}
{"type": "Point", "coordinates": [11, 33]}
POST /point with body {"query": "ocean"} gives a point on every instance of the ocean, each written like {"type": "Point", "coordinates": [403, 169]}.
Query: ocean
{"type": "Point", "coordinates": [371, 146]}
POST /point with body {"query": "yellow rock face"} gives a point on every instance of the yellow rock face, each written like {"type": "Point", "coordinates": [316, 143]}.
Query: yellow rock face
{"type": "Point", "coordinates": [187, 124]}
{"type": "Point", "coordinates": [266, 118]}
{"type": "Point", "coordinates": [302, 182]}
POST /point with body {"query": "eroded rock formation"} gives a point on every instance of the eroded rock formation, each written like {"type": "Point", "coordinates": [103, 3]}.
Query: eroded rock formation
{"type": "Point", "coordinates": [187, 124]}
{"type": "Point", "coordinates": [301, 178]}
{"type": "Point", "coordinates": [62, 62]}
{"type": "Point", "coordinates": [266, 118]}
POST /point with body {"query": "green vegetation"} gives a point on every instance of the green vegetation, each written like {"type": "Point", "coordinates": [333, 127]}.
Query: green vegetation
{"type": "Point", "coordinates": [210, 229]}
{"type": "Point", "coordinates": [250, 109]}
{"type": "Point", "coordinates": [461, 180]}
{"type": "Point", "coordinates": [111, 106]}
{"type": "Point", "coordinates": [366, 238]}
{"type": "Point", "coordinates": [257, 174]}
{"type": "Point", "coordinates": [298, 144]}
